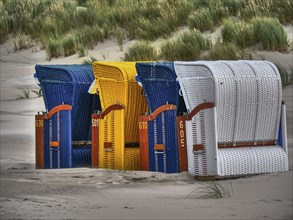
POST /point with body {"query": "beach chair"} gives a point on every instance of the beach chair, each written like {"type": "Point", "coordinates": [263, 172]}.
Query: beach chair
{"type": "Point", "coordinates": [115, 129]}
{"type": "Point", "coordinates": [158, 130]}
{"type": "Point", "coordinates": [63, 132]}
{"type": "Point", "coordinates": [236, 123]}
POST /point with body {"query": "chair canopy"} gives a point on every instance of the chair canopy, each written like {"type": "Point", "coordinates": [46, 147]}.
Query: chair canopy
{"type": "Point", "coordinates": [115, 82]}
{"type": "Point", "coordinates": [159, 83]}
{"type": "Point", "coordinates": [247, 95]}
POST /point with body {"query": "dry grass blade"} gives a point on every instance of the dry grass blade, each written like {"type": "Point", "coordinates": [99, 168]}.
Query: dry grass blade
{"type": "Point", "coordinates": [38, 92]}
{"type": "Point", "coordinates": [212, 189]}
{"type": "Point", "coordinates": [89, 61]}
{"type": "Point", "coordinates": [25, 94]}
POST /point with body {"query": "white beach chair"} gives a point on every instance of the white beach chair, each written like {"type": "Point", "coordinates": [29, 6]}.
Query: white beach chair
{"type": "Point", "coordinates": [236, 121]}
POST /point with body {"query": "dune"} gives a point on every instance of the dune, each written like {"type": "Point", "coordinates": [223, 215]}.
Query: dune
{"type": "Point", "coordinates": [27, 193]}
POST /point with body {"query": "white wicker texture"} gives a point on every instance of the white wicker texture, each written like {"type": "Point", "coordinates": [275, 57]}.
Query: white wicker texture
{"type": "Point", "coordinates": [247, 96]}
{"type": "Point", "coordinates": [284, 129]}
{"type": "Point", "coordinates": [251, 160]}
{"type": "Point", "coordinates": [194, 167]}
{"type": "Point", "coordinates": [201, 129]}
{"type": "Point", "coordinates": [269, 95]}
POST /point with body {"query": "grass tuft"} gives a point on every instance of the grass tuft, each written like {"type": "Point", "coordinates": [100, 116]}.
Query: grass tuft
{"type": "Point", "coordinates": [281, 9]}
{"type": "Point", "coordinates": [238, 32]}
{"type": "Point", "coordinates": [4, 25]}
{"type": "Point", "coordinates": [22, 42]}
{"type": "Point", "coordinates": [186, 47]}
{"type": "Point", "coordinates": [267, 31]}
{"type": "Point", "coordinates": [141, 51]}
{"type": "Point", "coordinates": [120, 36]}
{"type": "Point", "coordinates": [286, 74]}
{"type": "Point", "coordinates": [81, 51]}
{"type": "Point", "coordinates": [201, 20]}
{"type": "Point", "coordinates": [212, 189]}
{"type": "Point", "coordinates": [270, 33]}
{"type": "Point", "coordinates": [53, 47]}
{"type": "Point", "coordinates": [25, 94]}
{"type": "Point", "coordinates": [89, 61]}
{"type": "Point", "coordinates": [152, 29]}
{"type": "Point", "coordinates": [69, 45]}
{"type": "Point", "coordinates": [226, 51]}
{"type": "Point", "coordinates": [234, 6]}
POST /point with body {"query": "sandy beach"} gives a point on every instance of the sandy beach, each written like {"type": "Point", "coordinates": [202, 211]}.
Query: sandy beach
{"type": "Point", "coordinates": [27, 193]}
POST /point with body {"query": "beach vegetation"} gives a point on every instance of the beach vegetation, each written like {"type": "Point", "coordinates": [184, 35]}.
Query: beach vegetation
{"type": "Point", "coordinates": [212, 189]}
{"type": "Point", "coordinates": [188, 46]}
{"type": "Point", "coordinates": [73, 26]}
{"type": "Point", "coordinates": [141, 51]}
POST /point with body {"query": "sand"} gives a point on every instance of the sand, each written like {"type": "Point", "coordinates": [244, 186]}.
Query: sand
{"type": "Point", "coordinates": [27, 193]}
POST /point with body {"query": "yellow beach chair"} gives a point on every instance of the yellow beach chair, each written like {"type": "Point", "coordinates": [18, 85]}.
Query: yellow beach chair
{"type": "Point", "coordinates": [115, 129]}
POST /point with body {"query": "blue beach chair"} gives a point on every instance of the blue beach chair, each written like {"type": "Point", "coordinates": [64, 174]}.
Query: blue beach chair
{"type": "Point", "coordinates": [63, 133]}
{"type": "Point", "coordinates": [160, 151]}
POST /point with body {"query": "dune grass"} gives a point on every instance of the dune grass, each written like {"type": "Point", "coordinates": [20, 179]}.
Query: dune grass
{"type": "Point", "coordinates": [53, 47]}
{"type": "Point", "coordinates": [81, 50]}
{"type": "Point", "coordinates": [270, 33]}
{"type": "Point", "coordinates": [239, 32]}
{"type": "Point", "coordinates": [120, 36]}
{"type": "Point", "coordinates": [41, 18]}
{"type": "Point", "coordinates": [89, 36]}
{"type": "Point", "coordinates": [188, 46]}
{"type": "Point", "coordinates": [267, 31]}
{"type": "Point", "coordinates": [69, 45]}
{"type": "Point", "coordinates": [92, 21]}
{"type": "Point", "coordinates": [151, 30]}
{"type": "Point", "coordinates": [201, 20]}
{"type": "Point", "coordinates": [212, 189]}
{"type": "Point", "coordinates": [211, 13]}
{"type": "Point", "coordinates": [22, 41]}
{"type": "Point", "coordinates": [286, 74]}
{"type": "Point", "coordinates": [226, 51]}
{"type": "Point", "coordinates": [141, 51]}
{"type": "Point", "coordinates": [281, 9]}
{"type": "Point", "coordinates": [4, 25]}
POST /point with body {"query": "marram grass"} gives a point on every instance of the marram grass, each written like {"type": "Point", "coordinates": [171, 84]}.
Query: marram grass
{"type": "Point", "coordinates": [141, 51]}
{"type": "Point", "coordinates": [270, 33]}
{"type": "Point", "coordinates": [188, 46]}
{"type": "Point", "coordinates": [267, 31]}
{"type": "Point", "coordinates": [212, 189]}
{"type": "Point", "coordinates": [226, 51]}
{"type": "Point", "coordinates": [93, 21]}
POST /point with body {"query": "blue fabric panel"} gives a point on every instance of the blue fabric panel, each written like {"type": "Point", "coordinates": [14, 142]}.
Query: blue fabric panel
{"type": "Point", "coordinates": [65, 140]}
{"type": "Point", "coordinates": [159, 83]}
{"type": "Point", "coordinates": [172, 163]}
{"type": "Point", "coordinates": [46, 145]}
{"type": "Point", "coordinates": [280, 138]}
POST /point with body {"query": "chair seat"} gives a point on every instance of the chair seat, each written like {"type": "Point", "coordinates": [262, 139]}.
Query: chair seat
{"type": "Point", "coordinates": [81, 156]}
{"type": "Point", "coordinates": [251, 160]}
